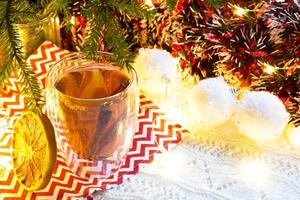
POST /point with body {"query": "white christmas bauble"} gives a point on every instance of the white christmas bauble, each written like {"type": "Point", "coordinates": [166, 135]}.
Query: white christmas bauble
{"type": "Point", "coordinates": [211, 102]}
{"type": "Point", "coordinates": [261, 116]}
{"type": "Point", "coordinates": [156, 69]}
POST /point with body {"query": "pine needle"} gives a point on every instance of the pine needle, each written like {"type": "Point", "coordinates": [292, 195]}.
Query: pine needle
{"type": "Point", "coordinates": [30, 87]}
{"type": "Point", "coordinates": [105, 26]}
{"type": "Point", "coordinates": [11, 40]}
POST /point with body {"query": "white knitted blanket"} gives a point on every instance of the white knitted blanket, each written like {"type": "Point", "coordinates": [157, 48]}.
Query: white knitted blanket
{"type": "Point", "coordinates": [215, 165]}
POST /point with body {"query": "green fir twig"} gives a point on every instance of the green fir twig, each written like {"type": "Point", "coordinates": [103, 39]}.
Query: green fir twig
{"type": "Point", "coordinates": [14, 55]}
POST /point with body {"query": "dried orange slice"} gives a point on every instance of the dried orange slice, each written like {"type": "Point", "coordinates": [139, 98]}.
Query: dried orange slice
{"type": "Point", "coordinates": [34, 150]}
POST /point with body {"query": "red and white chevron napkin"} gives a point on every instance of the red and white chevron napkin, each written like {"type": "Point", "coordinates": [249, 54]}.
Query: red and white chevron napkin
{"type": "Point", "coordinates": [155, 133]}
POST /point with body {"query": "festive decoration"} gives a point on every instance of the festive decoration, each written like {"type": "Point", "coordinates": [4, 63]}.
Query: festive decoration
{"type": "Point", "coordinates": [23, 28]}
{"type": "Point", "coordinates": [252, 44]}
{"type": "Point", "coordinates": [29, 12]}
{"type": "Point", "coordinates": [157, 70]}
{"type": "Point", "coordinates": [212, 102]}
{"type": "Point", "coordinates": [248, 42]}
{"type": "Point", "coordinates": [261, 116]}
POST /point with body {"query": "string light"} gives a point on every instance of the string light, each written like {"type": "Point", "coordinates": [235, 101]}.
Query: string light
{"type": "Point", "coordinates": [72, 20]}
{"type": "Point", "coordinates": [169, 164]}
{"type": "Point", "coordinates": [239, 11]}
{"type": "Point", "coordinates": [294, 137]}
{"type": "Point", "coordinates": [57, 20]}
{"type": "Point", "coordinates": [254, 172]}
{"type": "Point", "coordinates": [269, 69]}
{"type": "Point", "coordinates": [175, 106]}
{"type": "Point", "coordinates": [149, 3]}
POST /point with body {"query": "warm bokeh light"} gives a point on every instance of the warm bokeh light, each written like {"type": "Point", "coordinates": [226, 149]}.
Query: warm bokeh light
{"type": "Point", "coordinates": [57, 20]}
{"type": "Point", "coordinates": [294, 137]}
{"type": "Point", "coordinates": [169, 164]}
{"type": "Point", "coordinates": [175, 112]}
{"type": "Point", "coordinates": [72, 21]}
{"type": "Point", "coordinates": [239, 11]}
{"type": "Point", "coordinates": [175, 105]}
{"type": "Point", "coordinates": [149, 3]}
{"type": "Point", "coordinates": [254, 172]}
{"type": "Point", "coordinates": [269, 68]}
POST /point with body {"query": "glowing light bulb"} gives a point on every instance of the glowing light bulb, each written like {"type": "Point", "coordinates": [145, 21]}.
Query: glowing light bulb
{"type": "Point", "coordinates": [149, 3]}
{"type": "Point", "coordinates": [294, 137]}
{"type": "Point", "coordinates": [254, 172]}
{"type": "Point", "coordinates": [239, 11]}
{"type": "Point", "coordinates": [57, 20]}
{"type": "Point", "coordinates": [269, 68]}
{"type": "Point", "coordinates": [72, 20]}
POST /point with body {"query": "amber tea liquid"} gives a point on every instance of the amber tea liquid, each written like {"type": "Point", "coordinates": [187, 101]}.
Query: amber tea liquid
{"type": "Point", "coordinates": [93, 130]}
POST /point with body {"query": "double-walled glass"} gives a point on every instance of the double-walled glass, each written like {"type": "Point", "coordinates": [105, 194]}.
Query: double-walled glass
{"type": "Point", "coordinates": [93, 132]}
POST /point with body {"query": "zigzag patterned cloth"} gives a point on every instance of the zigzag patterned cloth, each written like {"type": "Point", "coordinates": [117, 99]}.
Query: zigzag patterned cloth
{"type": "Point", "coordinates": [155, 134]}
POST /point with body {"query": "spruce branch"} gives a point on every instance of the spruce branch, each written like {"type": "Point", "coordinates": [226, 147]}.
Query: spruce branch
{"type": "Point", "coordinates": [30, 87]}
{"type": "Point", "coordinates": [117, 44]}
{"type": "Point", "coordinates": [11, 40]}
{"type": "Point", "coordinates": [96, 22]}
{"type": "Point", "coordinates": [92, 40]}
{"type": "Point", "coordinates": [7, 66]}
{"type": "Point", "coordinates": [104, 25]}
{"type": "Point", "coordinates": [3, 7]}
{"type": "Point", "coordinates": [5, 72]}
{"type": "Point", "coordinates": [22, 12]}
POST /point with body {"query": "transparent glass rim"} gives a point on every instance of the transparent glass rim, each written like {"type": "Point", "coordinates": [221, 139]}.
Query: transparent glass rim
{"type": "Point", "coordinates": [131, 72]}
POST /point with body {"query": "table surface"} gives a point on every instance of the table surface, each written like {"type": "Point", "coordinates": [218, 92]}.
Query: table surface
{"type": "Point", "coordinates": [210, 165]}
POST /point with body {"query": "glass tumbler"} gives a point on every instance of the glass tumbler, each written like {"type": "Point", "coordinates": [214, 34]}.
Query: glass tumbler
{"type": "Point", "coordinates": [93, 105]}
